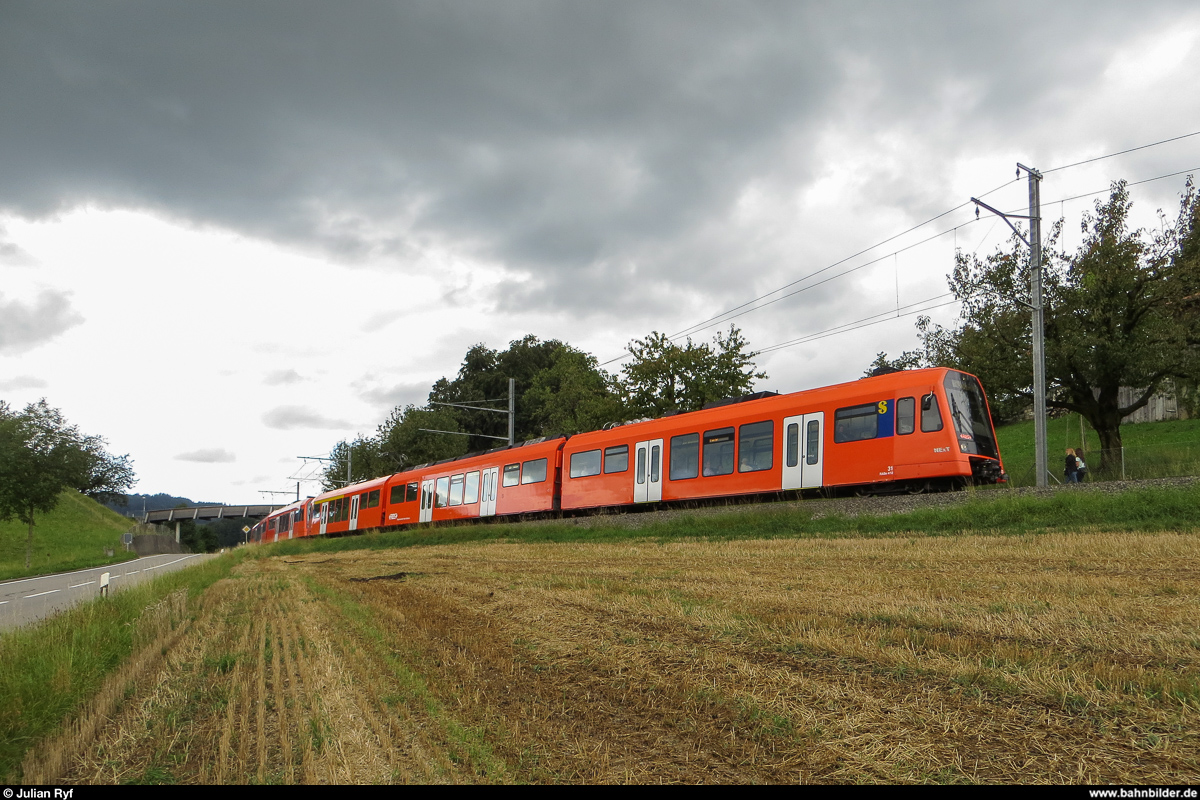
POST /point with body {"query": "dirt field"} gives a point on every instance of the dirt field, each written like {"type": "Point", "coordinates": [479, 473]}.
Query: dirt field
{"type": "Point", "coordinates": [1059, 658]}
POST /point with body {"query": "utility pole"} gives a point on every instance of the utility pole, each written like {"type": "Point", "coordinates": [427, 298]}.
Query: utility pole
{"type": "Point", "coordinates": [1039, 322]}
{"type": "Point", "coordinates": [512, 411]}
{"type": "Point", "coordinates": [1034, 242]}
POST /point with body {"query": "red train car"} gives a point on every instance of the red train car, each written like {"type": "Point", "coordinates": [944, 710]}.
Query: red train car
{"type": "Point", "coordinates": [348, 509]}
{"type": "Point", "coordinates": [521, 479]}
{"type": "Point", "coordinates": [909, 430]}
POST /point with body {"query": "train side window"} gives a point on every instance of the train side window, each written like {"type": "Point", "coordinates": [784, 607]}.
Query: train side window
{"type": "Point", "coordinates": [641, 465]}
{"type": "Point", "coordinates": [585, 464]}
{"type": "Point", "coordinates": [533, 471]}
{"type": "Point", "coordinates": [856, 423]}
{"type": "Point", "coordinates": [931, 415]}
{"type": "Point", "coordinates": [685, 456]}
{"type": "Point", "coordinates": [396, 495]}
{"type": "Point", "coordinates": [512, 474]}
{"type": "Point", "coordinates": [814, 442]}
{"type": "Point", "coordinates": [906, 415]}
{"type": "Point", "coordinates": [655, 461]}
{"type": "Point", "coordinates": [456, 490]}
{"type": "Point", "coordinates": [718, 452]}
{"type": "Point", "coordinates": [793, 444]}
{"type": "Point", "coordinates": [373, 499]}
{"type": "Point", "coordinates": [441, 492]}
{"type": "Point", "coordinates": [471, 494]}
{"type": "Point", "coordinates": [616, 459]}
{"type": "Point", "coordinates": [412, 493]}
{"type": "Point", "coordinates": [756, 446]}
{"type": "Point", "coordinates": [271, 524]}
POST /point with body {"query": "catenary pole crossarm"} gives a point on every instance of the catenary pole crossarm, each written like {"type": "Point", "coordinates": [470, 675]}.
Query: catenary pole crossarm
{"type": "Point", "coordinates": [460, 433]}
{"type": "Point", "coordinates": [473, 408]}
{"type": "Point", "coordinates": [1034, 243]}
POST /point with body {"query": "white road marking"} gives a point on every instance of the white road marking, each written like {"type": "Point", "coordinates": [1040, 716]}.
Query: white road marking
{"type": "Point", "coordinates": [76, 586]}
{"type": "Point", "coordinates": [39, 594]}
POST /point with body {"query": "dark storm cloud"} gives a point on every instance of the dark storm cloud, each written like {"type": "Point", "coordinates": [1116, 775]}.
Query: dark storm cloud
{"type": "Point", "coordinates": [578, 145]}
{"type": "Point", "coordinates": [26, 325]}
{"type": "Point", "coordinates": [290, 417]}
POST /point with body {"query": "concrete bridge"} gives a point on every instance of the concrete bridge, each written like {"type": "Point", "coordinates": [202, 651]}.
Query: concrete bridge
{"type": "Point", "coordinates": [210, 512]}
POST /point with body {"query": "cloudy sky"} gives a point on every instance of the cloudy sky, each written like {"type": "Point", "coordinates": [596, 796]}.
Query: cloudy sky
{"type": "Point", "coordinates": [235, 233]}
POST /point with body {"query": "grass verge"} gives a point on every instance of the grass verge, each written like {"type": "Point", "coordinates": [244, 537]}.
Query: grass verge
{"type": "Point", "coordinates": [994, 513]}
{"type": "Point", "coordinates": [52, 668]}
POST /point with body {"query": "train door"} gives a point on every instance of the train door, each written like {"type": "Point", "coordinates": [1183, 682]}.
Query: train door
{"type": "Point", "coordinates": [324, 517]}
{"type": "Point", "coordinates": [647, 473]}
{"type": "Point", "coordinates": [426, 502]}
{"type": "Point", "coordinates": [487, 499]}
{"type": "Point", "coordinates": [803, 451]}
{"type": "Point", "coordinates": [354, 512]}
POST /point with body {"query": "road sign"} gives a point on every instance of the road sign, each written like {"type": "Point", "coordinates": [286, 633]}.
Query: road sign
{"type": "Point", "coordinates": [126, 538]}
{"type": "Point", "coordinates": [246, 529]}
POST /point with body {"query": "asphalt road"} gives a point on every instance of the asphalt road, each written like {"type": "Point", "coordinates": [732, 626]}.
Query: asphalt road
{"type": "Point", "coordinates": [31, 599]}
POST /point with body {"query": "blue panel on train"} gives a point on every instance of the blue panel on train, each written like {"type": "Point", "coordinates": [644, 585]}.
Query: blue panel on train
{"type": "Point", "coordinates": [886, 417]}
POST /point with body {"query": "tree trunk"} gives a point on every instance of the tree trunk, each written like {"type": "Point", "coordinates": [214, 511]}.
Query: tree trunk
{"type": "Point", "coordinates": [1108, 426]}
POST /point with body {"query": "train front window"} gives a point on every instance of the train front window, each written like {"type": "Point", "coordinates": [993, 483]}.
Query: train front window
{"type": "Point", "coordinates": [969, 412]}
{"type": "Point", "coordinates": [931, 416]}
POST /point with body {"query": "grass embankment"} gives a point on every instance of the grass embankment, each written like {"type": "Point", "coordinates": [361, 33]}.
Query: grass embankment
{"type": "Point", "coordinates": [51, 670]}
{"type": "Point", "coordinates": [1152, 449]}
{"type": "Point", "coordinates": [72, 536]}
{"type": "Point", "coordinates": [993, 513]}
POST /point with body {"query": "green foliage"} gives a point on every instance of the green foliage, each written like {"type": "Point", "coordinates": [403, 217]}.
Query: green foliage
{"type": "Point", "coordinates": [40, 455]}
{"type": "Point", "coordinates": [664, 376]}
{"type": "Point", "coordinates": [572, 395]}
{"type": "Point", "coordinates": [402, 440]}
{"type": "Point", "coordinates": [1123, 310]}
{"type": "Point", "coordinates": [559, 390]}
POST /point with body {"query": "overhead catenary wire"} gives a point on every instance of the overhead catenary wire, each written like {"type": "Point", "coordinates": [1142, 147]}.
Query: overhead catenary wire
{"type": "Point", "coordinates": [749, 305]}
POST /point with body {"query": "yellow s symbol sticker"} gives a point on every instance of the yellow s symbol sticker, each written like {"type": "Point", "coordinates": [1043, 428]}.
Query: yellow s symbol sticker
{"type": "Point", "coordinates": [883, 406]}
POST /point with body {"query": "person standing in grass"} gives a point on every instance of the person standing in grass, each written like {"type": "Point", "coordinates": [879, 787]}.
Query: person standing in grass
{"type": "Point", "coordinates": [1071, 470]}
{"type": "Point", "coordinates": [1080, 467]}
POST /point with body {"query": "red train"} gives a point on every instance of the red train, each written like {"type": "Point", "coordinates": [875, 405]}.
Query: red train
{"type": "Point", "coordinates": [903, 431]}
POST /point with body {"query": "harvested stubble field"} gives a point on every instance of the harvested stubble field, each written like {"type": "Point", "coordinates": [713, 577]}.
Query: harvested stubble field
{"type": "Point", "coordinates": [1057, 658]}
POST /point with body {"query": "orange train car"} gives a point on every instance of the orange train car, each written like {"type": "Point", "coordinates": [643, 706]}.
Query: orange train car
{"type": "Point", "coordinates": [903, 431]}
{"type": "Point", "coordinates": [911, 430]}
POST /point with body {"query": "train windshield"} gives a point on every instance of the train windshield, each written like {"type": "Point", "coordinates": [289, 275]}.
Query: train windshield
{"type": "Point", "coordinates": [969, 411]}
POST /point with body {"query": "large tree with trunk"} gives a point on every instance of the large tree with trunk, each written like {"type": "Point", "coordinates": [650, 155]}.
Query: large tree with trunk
{"type": "Point", "coordinates": [1122, 311]}
{"type": "Point", "coordinates": [41, 455]}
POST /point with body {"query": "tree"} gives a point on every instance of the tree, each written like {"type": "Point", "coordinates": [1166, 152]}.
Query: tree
{"type": "Point", "coordinates": [559, 390]}
{"type": "Point", "coordinates": [664, 376]}
{"type": "Point", "coordinates": [399, 442]}
{"type": "Point", "coordinates": [1120, 311]}
{"type": "Point", "coordinates": [41, 455]}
